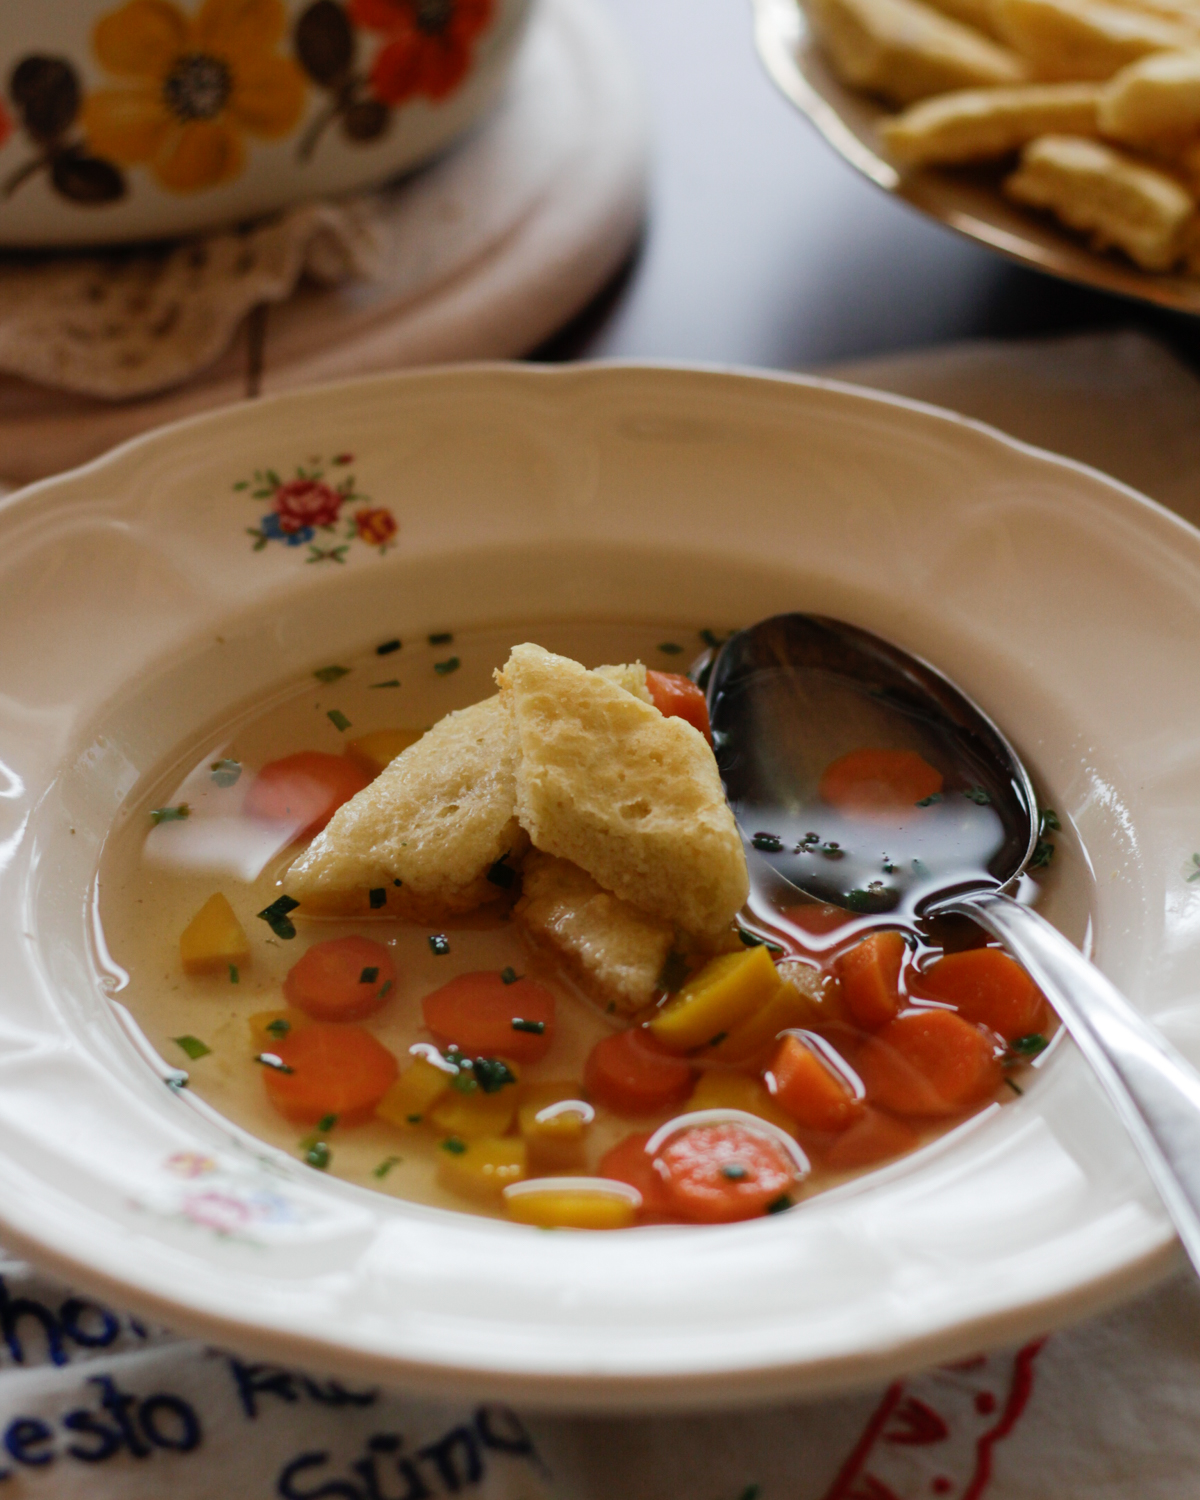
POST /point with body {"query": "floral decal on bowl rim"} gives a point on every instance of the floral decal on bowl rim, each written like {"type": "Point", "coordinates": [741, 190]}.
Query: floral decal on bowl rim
{"type": "Point", "coordinates": [229, 1204]}
{"type": "Point", "coordinates": [309, 502]}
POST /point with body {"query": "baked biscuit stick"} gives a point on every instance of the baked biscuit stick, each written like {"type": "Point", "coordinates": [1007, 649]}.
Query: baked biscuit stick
{"type": "Point", "coordinates": [1154, 103]}
{"type": "Point", "coordinates": [985, 124]}
{"type": "Point", "coordinates": [1115, 198]}
{"type": "Point", "coordinates": [1081, 39]}
{"type": "Point", "coordinates": [904, 50]}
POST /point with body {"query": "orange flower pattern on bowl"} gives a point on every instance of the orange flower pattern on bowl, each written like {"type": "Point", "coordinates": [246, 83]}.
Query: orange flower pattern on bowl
{"type": "Point", "coordinates": [426, 47]}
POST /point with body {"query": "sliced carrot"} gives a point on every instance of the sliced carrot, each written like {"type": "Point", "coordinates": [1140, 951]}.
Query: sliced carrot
{"type": "Point", "coordinates": [878, 781]}
{"type": "Point", "coordinates": [874, 1138]}
{"type": "Point", "coordinates": [632, 1073]}
{"type": "Point", "coordinates": [987, 987]}
{"type": "Point", "coordinates": [870, 978]}
{"type": "Point", "coordinates": [806, 1084]}
{"type": "Point", "coordinates": [678, 697]}
{"type": "Point", "coordinates": [484, 1017]}
{"type": "Point", "coordinates": [929, 1063]}
{"type": "Point", "coordinates": [717, 1174]}
{"type": "Point", "coordinates": [341, 979]}
{"type": "Point", "coordinates": [323, 1069]}
{"type": "Point", "coordinates": [306, 789]}
{"type": "Point", "coordinates": [627, 1161]}
{"type": "Point", "coordinates": [816, 917]}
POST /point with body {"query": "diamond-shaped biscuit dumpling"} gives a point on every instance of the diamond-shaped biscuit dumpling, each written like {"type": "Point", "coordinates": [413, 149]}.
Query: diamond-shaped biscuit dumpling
{"type": "Point", "coordinates": [427, 830]}
{"type": "Point", "coordinates": [633, 798]}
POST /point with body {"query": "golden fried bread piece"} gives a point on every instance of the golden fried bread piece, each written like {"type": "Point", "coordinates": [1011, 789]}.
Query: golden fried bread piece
{"type": "Point", "coordinates": [1083, 39]}
{"type": "Point", "coordinates": [904, 50]}
{"type": "Point", "coordinates": [1154, 103]}
{"type": "Point", "coordinates": [427, 830]}
{"type": "Point", "coordinates": [631, 676]}
{"type": "Point", "coordinates": [984, 124]}
{"type": "Point", "coordinates": [633, 798]}
{"type": "Point", "coordinates": [976, 13]}
{"type": "Point", "coordinates": [614, 951]}
{"type": "Point", "coordinates": [1108, 194]}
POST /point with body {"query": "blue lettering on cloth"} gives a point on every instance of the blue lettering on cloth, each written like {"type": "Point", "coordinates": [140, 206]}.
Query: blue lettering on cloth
{"type": "Point", "coordinates": [255, 1380]}
{"type": "Point", "coordinates": [453, 1463]}
{"type": "Point", "coordinates": [77, 1321]}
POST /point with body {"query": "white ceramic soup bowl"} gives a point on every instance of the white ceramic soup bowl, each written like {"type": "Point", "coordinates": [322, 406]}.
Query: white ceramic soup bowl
{"type": "Point", "coordinates": [137, 119]}
{"type": "Point", "coordinates": [135, 610]}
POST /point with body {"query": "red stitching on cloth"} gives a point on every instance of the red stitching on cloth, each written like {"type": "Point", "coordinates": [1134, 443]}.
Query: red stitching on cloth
{"type": "Point", "coordinates": [920, 1424]}
{"type": "Point", "coordinates": [1019, 1393]}
{"type": "Point", "coordinates": [849, 1472]}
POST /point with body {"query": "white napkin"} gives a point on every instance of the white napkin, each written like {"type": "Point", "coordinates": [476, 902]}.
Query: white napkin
{"type": "Point", "coordinates": [93, 1404]}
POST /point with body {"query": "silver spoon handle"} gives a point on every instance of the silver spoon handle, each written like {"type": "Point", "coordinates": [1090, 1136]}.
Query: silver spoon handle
{"type": "Point", "coordinates": [1154, 1090]}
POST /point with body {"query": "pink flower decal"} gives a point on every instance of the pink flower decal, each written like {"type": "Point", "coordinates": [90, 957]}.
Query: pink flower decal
{"type": "Point", "coordinates": [316, 500]}
{"type": "Point", "coordinates": [217, 1211]}
{"type": "Point", "coordinates": [190, 1164]}
{"type": "Point", "coordinates": [306, 502]}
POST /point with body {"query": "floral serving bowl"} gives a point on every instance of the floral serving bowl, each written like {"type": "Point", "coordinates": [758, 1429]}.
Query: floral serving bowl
{"type": "Point", "coordinates": [188, 574]}
{"type": "Point", "coordinates": [155, 118]}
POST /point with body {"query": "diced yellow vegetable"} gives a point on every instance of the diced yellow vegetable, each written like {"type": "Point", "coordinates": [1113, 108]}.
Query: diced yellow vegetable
{"type": "Point", "coordinates": [558, 1141]}
{"type": "Point", "coordinates": [376, 751]}
{"type": "Point", "coordinates": [725, 991]}
{"type": "Point", "coordinates": [481, 1169]}
{"type": "Point", "coordinates": [213, 939]}
{"type": "Point", "coordinates": [413, 1094]}
{"type": "Point", "coordinates": [787, 1007]}
{"type": "Point", "coordinates": [474, 1115]}
{"type": "Point", "coordinates": [571, 1207]}
{"type": "Point", "coordinates": [262, 1038]}
{"type": "Point", "coordinates": [720, 1090]}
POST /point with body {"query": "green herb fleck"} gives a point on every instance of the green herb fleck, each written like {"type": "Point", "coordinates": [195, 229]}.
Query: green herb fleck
{"type": "Point", "coordinates": [1014, 1086]}
{"type": "Point", "coordinates": [441, 638]}
{"type": "Point", "coordinates": [226, 772]}
{"type": "Point", "coordinates": [752, 940]}
{"type": "Point", "coordinates": [711, 638]}
{"type": "Point", "coordinates": [1050, 822]}
{"type": "Point", "coordinates": [276, 1064]}
{"type": "Point", "coordinates": [330, 674]}
{"type": "Point", "coordinates": [1029, 1046]}
{"type": "Point", "coordinates": [326, 1123]}
{"type": "Point", "coordinates": [715, 1041]}
{"type": "Point", "coordinates": [444, 668]}
{"type": "Point", "coordinates": [670, 648]}
{"type": "Point", "coordinates": [386, 1165]}
{"type": "Point", "coordinates": [279, 1027]}
{"type": "Point", "coordinates": [368, 976]}
{"type": "Point", "coordinates": [779, 1205]}
{"type": "Point", "coordinates": [502, 875]}
{"type": "Point", "coordinates": [833, 850]}
{"type": "Point", "coordinates": [509, 975]}
{"type": "Point", "coordinates": [234, 976]}
{"type": "Point", "coordinates": [318, 1155]}
{"type": "Point", "coordinates": [734, 1171]}
{"type": "Point", "coordinates": [769, 843]}
{"type": "Point", "coordinates": [1195, 872]}
{"type": "Point", "coordinates": [192, 1045]}
{"type": "Point", "coordinates": [1043, 853]}
{"type": "Point", "coordinates": [384, 988]}
{"type": "Point", "coordinates": [979, 795]}
{"type": "Point", "coordinates": [454, 1145]}
{"type": "Point", "coordinates": [439, 944]}
{"type": "Point", "coordinates": [464, 1081]}
{"type": "Point", "coordinates": [277, 919]}
{"type": "Point", "coordinates": [751, 1492]}
{"type": "Point", "coordinates": [493, 1073]}
{"type": "Point", "coordinates": [338, 719]}
{"type": "Point", "coordinates": [391, 682]}
{"type": "Point", "coordinates": [535, 1028]}
{"type": "Point", "coordinates": [170, 814]}
{"type": "Point", "coordinates": [387, 648]}
{"type": "Point", "coordinates": [377, 897]}
{"type": "Point", "coordinates": [414, 1119]}
{"type": "Point", "coordinates": [930, 800]}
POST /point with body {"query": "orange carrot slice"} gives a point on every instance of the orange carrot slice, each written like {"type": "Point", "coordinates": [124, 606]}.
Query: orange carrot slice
{"type": "Point", "coordinates": [484, 1017]}
{"type": "Point", "coordinates": [874, 1138]}
{"type": "Point", "coordinates": [678, 697]}
{"type": "Point", "coordinates": [870, 978]}
{"type": "Point", "coordinates": [632, 1073]}
{"type": "Point", "coordinates": [341, 979]}
{"type": "Point", "coordinates": [306, 788]}
{"type": "Point", "coordinates": [323, 1069]}
{"type": "Point", "coordinates": [806, 1084]}
{"type": "Point", "coordinates": [629, 1162]}
{"type": "Point", "coordinates": [878, 781]}
{"type": "Point", "coordinates": [720, 1173]}
{"type": "Point", "coordinates": [929, 1063]}
{"type": "Point", "coordinates": [987, 987]}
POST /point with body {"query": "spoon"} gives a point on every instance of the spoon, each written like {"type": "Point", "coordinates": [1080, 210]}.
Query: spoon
{"type": "Point", "coordinates": [791, 695]}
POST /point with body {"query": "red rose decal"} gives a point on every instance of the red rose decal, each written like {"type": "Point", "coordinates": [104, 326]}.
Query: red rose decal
{"type": "Point", "coordinates": [376, 526]}
{"type": "Point", "coordinates": [306, 502]}
{"type": "Point", "coordinates": [427, 44]}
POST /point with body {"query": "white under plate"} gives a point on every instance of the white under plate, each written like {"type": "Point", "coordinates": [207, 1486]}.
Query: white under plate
{"type": "Point", "coordinates": [134, 610]}
{"type": "Point", "coordinates": [966, 200]}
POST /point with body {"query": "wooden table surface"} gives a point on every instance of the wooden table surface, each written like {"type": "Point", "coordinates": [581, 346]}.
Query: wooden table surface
{"type": "Point", "coordinates": [764, 248]}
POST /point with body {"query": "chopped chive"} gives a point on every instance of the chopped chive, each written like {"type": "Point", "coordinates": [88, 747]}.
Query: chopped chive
{"type": "Point", "coordinates": [535, 1028]}
{"type": "Point", "coordinates": [1043, 853]}
{"type": "Point", "coordinates": [493, 1073]}
{"type": "Point", "coordinates": [326, 1123]}
{"type": "Point", "coordinates": [414, 1119]}
{"type": "Point", "coordinates": [1015, 1087]}
{"type": "Point", "coordinates": [377, 897]}
{"type": "Point", "coordinates": [734, 1171]}
{"type": "Point", "coordinates": [715, 1041]}
{"type": "Point", "coordinates": [1050, 821]}
{"type": "Point", "coordinates": [170, 814]}
{"type": "Point", "coordinates": [711, 638]}
{"type": "Point", "coordinates": [338, 719]}
{"type": "Point", "coordinates": [1029, 1046]}
{"type": "Point", "coordinates": [330, 674]}
{"type": "Point", "coordinates": [234, 976]}
{"type": "Point", "coordinates": [318, 1155]}
{"type": "Point", "coordinates": [441, 638]}
{"type": "Point", "coordinates": [1195, 872]}
{"type": "Point", "coordinates": [670, 648]}
{"type": "Point", "coordinates": [277, 919]}
{"type": "Point", "coordinates": [276, 1064]}
{"type": "Point", "coordinates": [387, 648]}
{"type": "Point", "coordinates": [502, 875]}
{"type": "Point", "coordinates": [386, 1165]}
{"type": "Point", "coordinates": [397, 882]}
{"type": "Point", "coordinates": [384, 988]}
{"type": "Point", "coordinates": [769, 843]}
{"type": "Point", "coordinates": [930, 800]}
{"type": "Point", "coordinates": [192, 1045]}
{"type": "Point", "coordinates": [368, 976]}
{"type": "Point", "coordinates": [226, 772]}
{"type": "Point", "coordinates": [779, 1205]}
{"type": "Point", "coordinates": [454, 1145]}
{"type": "Point", "coordinates": [439, 944]}
{"type": "Point", "coordinates": [752, 940]}
{"type": "Point", "coordinates": [279, 1027]}
{"type": "Point", "coordinates": [509, 975]}
{"type": "Point", "coordinates": [444, 668]}
{"type": "Point", "coordinates": [979, 795]}
{"type": "Point", "coordinates": [391, 682]}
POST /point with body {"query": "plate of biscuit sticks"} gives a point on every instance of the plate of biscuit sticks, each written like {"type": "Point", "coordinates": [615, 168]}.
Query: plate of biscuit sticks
{"type": "Point", "coordinates": [1064, 134]}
